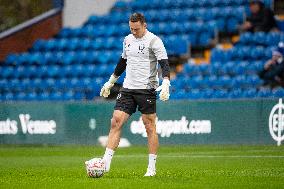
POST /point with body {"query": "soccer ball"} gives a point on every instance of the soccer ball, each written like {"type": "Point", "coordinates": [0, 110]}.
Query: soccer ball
{"type": "Point", "coordinates": [95, 167]}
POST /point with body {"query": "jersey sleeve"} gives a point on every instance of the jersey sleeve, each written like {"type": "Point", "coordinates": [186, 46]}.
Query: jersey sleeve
{"type": "Point", "coordinates": [123, 54]}
{"type": "Point", "coordinates": [159, 49]}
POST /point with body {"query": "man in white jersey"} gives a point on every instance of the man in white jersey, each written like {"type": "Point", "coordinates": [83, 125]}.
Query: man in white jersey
{"type": "Point", "coordinates": [142, 51]}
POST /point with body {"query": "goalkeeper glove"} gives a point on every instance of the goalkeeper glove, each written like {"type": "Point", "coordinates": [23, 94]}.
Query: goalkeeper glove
{"type": "Point", "coordinates": [105, 91]}
{"type": "Point", "coordinates": [165, 90]}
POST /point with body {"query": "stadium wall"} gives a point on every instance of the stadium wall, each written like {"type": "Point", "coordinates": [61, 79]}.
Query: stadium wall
{"type": "Point", "coordinates": [76, 12]}
{"type": "Point", "coordinates": [22, 37]}
{"type": "Point", "coordinates": [179, 122]}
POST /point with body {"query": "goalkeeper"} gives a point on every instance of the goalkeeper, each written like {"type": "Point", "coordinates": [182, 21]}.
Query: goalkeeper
{"type": "Point", "coordinates": [142, 50]}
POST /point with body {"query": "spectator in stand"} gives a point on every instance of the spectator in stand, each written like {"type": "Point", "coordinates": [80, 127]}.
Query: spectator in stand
{"type": "Point", "coordinates": [273, 72]}
{"type": "Point", "coordinates": [261, 18]}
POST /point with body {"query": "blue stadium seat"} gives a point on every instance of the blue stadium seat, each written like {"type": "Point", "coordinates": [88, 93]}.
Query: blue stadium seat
{"type": "Point", "coordinates": [257, 53]}
{"type": "Point", "coordinates": [49, 45]}
{"type": "Point", "coordinates": [78, 95]}
{"type": "Point", "coordinates": [235, 93]}
{"type": "Point", "coordinates": [116, 17]}
{"type": "Point", "coordinates": [177, 45]}
{"type": "Point", "coordinates": [74, 44]}
{"type": "Point", "coordinates": [180, 94]}
{"type": "Point", "coordinates": [239, 81]}
{"type": "Point", "coordinates": [194, 94]}
{"type": "Point", "coordinates": [183, 83]}
{"type": "Point", "coordinates": [69, 57]}
{"type": "Point", "coordinates": [11, 59]}
{"type": "Point", "coordinates": [254, 81]}
{"type": "Point", "coordinates": [34, 83]}
{"type": "Point", "coordinates": [239, 13]}
{"type": "Point", "coordinates": [65, 33]}
{"type": "Point", "coordinates": [62, 83]}
{"type": "Point", "coordinates": [273, 38]}
{"type": "Point", "coordinates": [264, 92]}
{"type": "Point", "coordinates": [192, 39]}
{"type": "Point", "coordinates": [246, 38]}
{"type": "Point", "coordinates": [102, 70]}
{"type": "Point", "coordinates": [31, 96]}
{"type": "Point", "coordinates": [250, 93]}
{"type": "Point", "coordinates": [62, 44]}
{"type": "Point", "coordinates": [251, 68]}
{"type": "Point", "coordinates": [19, 72]}
{"type": "Point", "coordinates": [219, 69]}
{"type": "Point", "coordinates": [53, 71]}
{"type": "Point", "coordinates": [4, 83]}
{"type": "Point", "coordinates": [121, 5]}
{"type": "Point", "coordinates": [85, 44]}
{"type": "Point", "coordinates": [9, 96]}
{"type": "Point", "coordinates": [89, 31]}
{"type": "Point", "coordinates": [240, 53]}
{"type": "Point", "coordinates": [14, 83]}
{"type": "Point", "coordinates": [39, 45]}
{"type": "Point", "coordinates": [48, 58]}
{"type": "Point", "coordinates": [221, 24]}
{"type": "Point", "coordinates": [213, 3]}
{"type": "Point", "coordinates": [278, 92]}
{"type": "Point", "coordinates": [179, 83]}
{"type": "Point", "coordinates": [21, 96]}
{"type": "Point", "coordinates": [205, 69]}
{"type": "Point", "coordinates": [258, 65]}
{"type": "Point", "coordinates": [211, 81]}
{"type": "Point", "coordinates": [207, 93]}
{"type": "Point", "coordinates": [232, 24]}
{"type": "Point", "coordinates": [204, 38]}
{"type": "Point", "coordinates": [55, 96]}
{"type": "Point", "coordinates": [224, 82]}
{"type": "Point", "coordinates": [219, 94]}
{"type": "Point", "coordinates": [7, 72]}
{"type": "Point", "coordinates": [23, 58]}
{"type": "Point", "coordinates": [196, 82]}
{"type": "Point", "coordinates": [94, 19]}
{"type": "Point", "coordinates": [68, 95]}
{"type": "Point", "coordinates": [105, 57]}
{"type": "Point", "coordinates": [43, 96]}
{"type": "Point", "coordinates": [259, 38]}
{"type": "Point", "coordinates": [268, 53]}
{"type": "Point", "coordinates": [78, 70]}
{"type": "Point", "coordinates": [42, 71]}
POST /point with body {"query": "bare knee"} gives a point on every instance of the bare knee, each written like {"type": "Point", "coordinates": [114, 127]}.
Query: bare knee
{"type": "Point", "coordinates": [150, 125]}
{"type": "Point", "coordinates": [116, 122]}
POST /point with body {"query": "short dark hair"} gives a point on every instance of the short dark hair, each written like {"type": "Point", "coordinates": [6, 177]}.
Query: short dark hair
{"type": "Point", "coordinates": [253, 2]}
{"type": "Point", "coordinates": [137, 17]}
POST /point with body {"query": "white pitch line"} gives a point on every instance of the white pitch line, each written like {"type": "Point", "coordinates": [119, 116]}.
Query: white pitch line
{"type": "Point", "coordinates": [201, 156]}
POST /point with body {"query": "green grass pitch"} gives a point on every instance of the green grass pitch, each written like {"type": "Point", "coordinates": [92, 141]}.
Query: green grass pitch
{"type": "Point", "coordinates": [177, 167]}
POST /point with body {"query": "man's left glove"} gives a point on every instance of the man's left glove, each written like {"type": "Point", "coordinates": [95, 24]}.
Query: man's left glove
{"type": "Point", "coordinates": [165, 90]}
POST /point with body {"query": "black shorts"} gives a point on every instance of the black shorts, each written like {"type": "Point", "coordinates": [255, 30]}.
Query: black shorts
{"type": "Point", "coordinates": [129, 99]}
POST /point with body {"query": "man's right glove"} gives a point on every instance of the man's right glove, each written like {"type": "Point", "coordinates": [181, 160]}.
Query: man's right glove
{"type": "Point", "coordinates": [105, 91]}
{"type": "Point", "coordinates": [165, 90]}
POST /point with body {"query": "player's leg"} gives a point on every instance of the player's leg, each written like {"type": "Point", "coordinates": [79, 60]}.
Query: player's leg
{"type": "Point", "coordinates": [149, 121]}
{"type": "Point", "coordinates": [124, 107]}
{"type": "Point", "coordinates": [147, 106]}
{"type": "Point", "coordinates": [117, 121]}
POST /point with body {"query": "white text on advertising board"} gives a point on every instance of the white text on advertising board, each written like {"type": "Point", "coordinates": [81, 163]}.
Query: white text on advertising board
{"type": "Point", "coordinates": [165, 128]}
{"type": "Point", "coordinates": [27, 126]}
